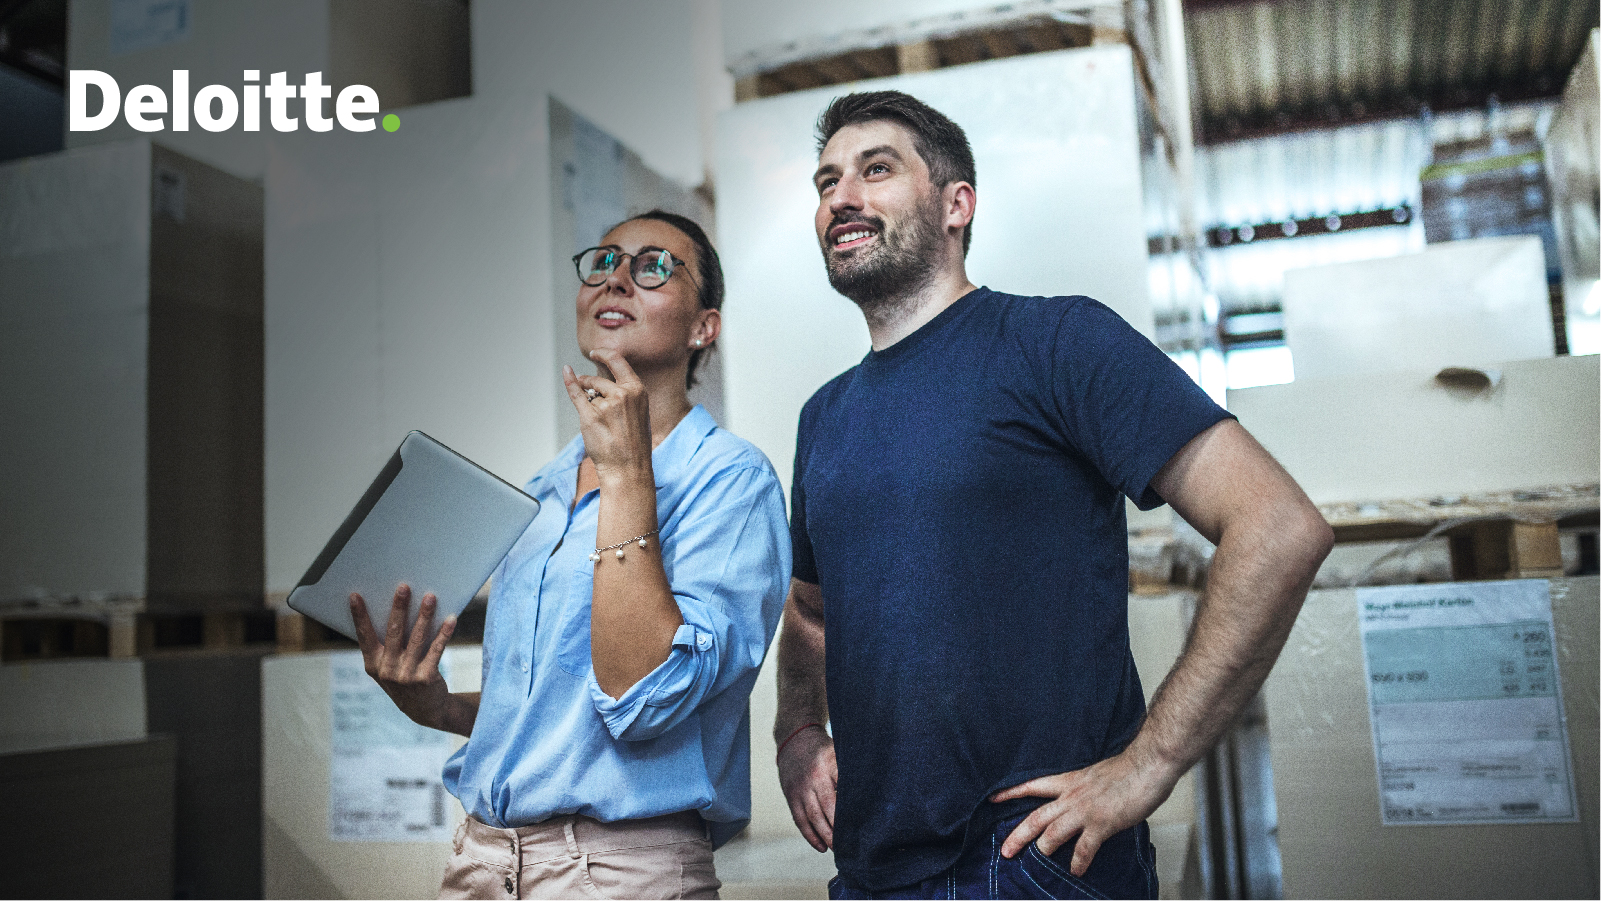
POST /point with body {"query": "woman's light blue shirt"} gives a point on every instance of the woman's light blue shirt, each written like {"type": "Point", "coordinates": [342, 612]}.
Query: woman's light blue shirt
{"type": "Point", "coordinates": [547, 740]}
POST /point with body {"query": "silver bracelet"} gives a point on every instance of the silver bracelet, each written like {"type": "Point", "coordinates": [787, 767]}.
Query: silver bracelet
{"type": "Point", "coordinates": [595, 557]}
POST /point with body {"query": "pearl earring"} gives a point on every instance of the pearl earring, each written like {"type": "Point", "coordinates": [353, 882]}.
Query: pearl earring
{"type": "Point", "coordinates": [698, 342]}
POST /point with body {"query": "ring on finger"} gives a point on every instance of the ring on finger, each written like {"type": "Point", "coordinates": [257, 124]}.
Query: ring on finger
{"type": "Point", "coordinates": [591, 393]}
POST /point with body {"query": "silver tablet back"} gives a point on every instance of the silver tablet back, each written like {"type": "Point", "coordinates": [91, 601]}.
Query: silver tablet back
{"type": "Point", "coordinates": [432, 519]}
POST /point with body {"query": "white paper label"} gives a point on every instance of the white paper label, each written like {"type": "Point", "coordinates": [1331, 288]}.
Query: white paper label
{"type": "Point", "coordinates": [384, 770]}
{"type": "Point", "coordinates": [1465, 703]}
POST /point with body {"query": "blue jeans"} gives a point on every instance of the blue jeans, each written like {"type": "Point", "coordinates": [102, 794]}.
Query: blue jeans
{"type": "Point", "coordinates": [1124, 867]}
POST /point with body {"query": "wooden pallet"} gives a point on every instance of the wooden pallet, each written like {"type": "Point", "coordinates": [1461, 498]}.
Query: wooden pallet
{"type": "Point", "coordinates": [1498, 535]}
{"type": "Point", "coordinates": [120, 627]}
{"type": "Point", "coordinates": [1032, 34]}
{"type": "Point", "coordinates": [299, 633]}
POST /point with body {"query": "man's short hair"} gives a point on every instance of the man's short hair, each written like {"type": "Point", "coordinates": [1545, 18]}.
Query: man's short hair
{"type": "Point", "coordinates": [940, 142]}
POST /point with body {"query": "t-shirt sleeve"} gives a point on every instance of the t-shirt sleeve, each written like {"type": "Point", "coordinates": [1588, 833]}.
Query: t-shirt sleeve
{"type": "Point", "coordinates": [1123, 403]}
{"type": "Point", "coordinates": [805, 564]}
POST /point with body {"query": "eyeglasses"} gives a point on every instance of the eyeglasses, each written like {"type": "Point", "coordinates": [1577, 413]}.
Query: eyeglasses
{"type": "Point", "coordinates": [650, 268]}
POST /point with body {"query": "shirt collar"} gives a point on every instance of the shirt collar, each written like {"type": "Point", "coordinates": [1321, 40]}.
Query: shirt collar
{"type": "Point", "coordinates": [666, 460]}
{"type": "Point", "coordinates": [673, 454]}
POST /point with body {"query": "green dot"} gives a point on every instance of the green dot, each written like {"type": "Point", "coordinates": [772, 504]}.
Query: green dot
{"type": "Point", "coordinates": [391, 122]}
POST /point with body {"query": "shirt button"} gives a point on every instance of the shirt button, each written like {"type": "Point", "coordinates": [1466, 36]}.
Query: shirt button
{"type": "Point", "coordinates": [511, 887]}
{"type": "Point", "coordinates": [703, 641]}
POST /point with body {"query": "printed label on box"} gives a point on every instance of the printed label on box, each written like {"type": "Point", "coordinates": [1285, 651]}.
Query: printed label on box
{"type": "Point", "coordinates": [1465, 703]}
{"type": "Point", "coordinates": [384, 771]}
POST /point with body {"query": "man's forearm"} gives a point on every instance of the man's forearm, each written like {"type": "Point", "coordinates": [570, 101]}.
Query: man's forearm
{"type": "Point", "coordinates": [802, 694]}
{"type": "Point", "coordinates": [1256, 585]}
{"type": "Point", "coordinates": [1270, 541]}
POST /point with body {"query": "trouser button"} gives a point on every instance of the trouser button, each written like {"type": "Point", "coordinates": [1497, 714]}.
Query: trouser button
{"type": "Point", "coordinates": [511, 887]}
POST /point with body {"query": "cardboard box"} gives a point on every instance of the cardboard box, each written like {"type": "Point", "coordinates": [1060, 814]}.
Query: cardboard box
{"type": "Point", "coordinates": [1330, 832]}
{"type": "Point", "coordinates": [94, 821]}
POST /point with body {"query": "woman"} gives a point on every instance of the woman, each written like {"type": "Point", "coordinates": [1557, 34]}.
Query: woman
{"type": "Point", "coordinates": [609, 750]}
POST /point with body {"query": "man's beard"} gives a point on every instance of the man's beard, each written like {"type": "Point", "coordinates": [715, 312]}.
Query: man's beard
{"type": "Point", "coordinates": [885, 279]}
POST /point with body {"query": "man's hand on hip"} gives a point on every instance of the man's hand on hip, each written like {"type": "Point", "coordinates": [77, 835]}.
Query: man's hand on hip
{"type": "Point", "coordinates": [809, 775]}
{"type": "Point", "coordinates": [1094, 803]}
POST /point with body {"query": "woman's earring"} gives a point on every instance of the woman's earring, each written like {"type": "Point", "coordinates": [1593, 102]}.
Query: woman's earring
{"type": "Point", "coordinates": [698, 342]}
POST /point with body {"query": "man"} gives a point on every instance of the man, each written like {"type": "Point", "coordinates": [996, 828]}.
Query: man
{"type": "Point", "coordinates": [961, 555]}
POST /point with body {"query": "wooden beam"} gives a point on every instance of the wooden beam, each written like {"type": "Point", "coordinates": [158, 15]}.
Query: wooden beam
{"type": "Point", "coordinates": [922, 56]}
{"type": "Point", "coordinates": [960, 50]}
{"type": "Point", "coordinates": [1044, 37]}
{"type": "Point", "coordinates": [1479, 551]}
{"type": "Point", "coordinates": [998, 44]}
{"type": "Point", "coordinates": [292, 632]}
{"type": "Point", "coordinates": [877, 62]}
{"type": "Point", "coordinates": [840, 69]}
{"type": "Point", "coordinates": [1536, 551]}
{"type": "Point", "coordinates": [128, 633]}
{"type": "Point", "coordinates": [1505, 549]}
{"type": "Point", "coordinates": [224, 629]}
{"type": "Point", "coordinates": [1102, 35]}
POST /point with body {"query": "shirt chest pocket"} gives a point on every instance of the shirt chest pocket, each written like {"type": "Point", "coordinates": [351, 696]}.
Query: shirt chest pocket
{"type": "Point", "coordinates": [572, 637]}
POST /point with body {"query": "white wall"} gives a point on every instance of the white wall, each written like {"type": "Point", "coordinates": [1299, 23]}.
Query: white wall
{"type": "Point", "coordinates": [1059, 212]}
{"type": "Point", "coordinates": [628, 66]}
{"type": "Point", "coordinates": [75, 313]}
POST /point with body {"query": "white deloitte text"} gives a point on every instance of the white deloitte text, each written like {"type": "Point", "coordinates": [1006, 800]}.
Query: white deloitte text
{"type": "Point", "coordinates": [217, 108]}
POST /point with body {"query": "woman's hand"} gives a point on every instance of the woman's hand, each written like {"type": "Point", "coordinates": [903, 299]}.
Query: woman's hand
{"type": "Point", "coordinates": [632, 615]}
{"type": "Point", "coordinates": [614, 417]}
{"type": "Point", "coordinates": [408, 671]}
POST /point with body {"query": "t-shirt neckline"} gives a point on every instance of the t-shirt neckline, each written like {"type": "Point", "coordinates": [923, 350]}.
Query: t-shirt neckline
{"type": "Point", "coordinates": [924, 332]}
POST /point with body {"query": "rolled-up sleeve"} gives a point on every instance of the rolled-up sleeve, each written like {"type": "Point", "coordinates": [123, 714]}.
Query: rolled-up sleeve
{"type": "Point", "coordinates": [727, 558]}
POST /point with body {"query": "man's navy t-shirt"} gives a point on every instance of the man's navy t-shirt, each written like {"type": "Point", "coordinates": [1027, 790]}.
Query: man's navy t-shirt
{"type": "Point", "coordinates": [958, 498]}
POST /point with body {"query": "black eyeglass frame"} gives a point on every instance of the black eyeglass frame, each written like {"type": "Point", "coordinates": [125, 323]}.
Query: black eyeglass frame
{"type": "Point", "coordinates": [633, 260]}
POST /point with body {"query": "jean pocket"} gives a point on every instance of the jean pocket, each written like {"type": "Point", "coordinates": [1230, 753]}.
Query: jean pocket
{"type": "Point", "coordinates": [572, 646]}
{"type": "Point", "coordinates": [1123, 868]}
{"type": "Point", "coordinates": [1050, 879]}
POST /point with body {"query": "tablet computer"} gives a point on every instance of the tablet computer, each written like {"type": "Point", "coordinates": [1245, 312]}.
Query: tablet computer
{"type": "Point", "coordinates": [432, 519]}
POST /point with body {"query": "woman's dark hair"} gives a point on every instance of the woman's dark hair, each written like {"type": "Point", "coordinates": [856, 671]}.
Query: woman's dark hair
{"type": "Point", "coordinates": [707, 263]}
{"type": "Point", "coordinates": [940, 142]}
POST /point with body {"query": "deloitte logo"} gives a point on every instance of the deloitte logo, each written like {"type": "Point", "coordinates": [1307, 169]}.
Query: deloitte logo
{"type": "Point", "coordinates": [217, 108]}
